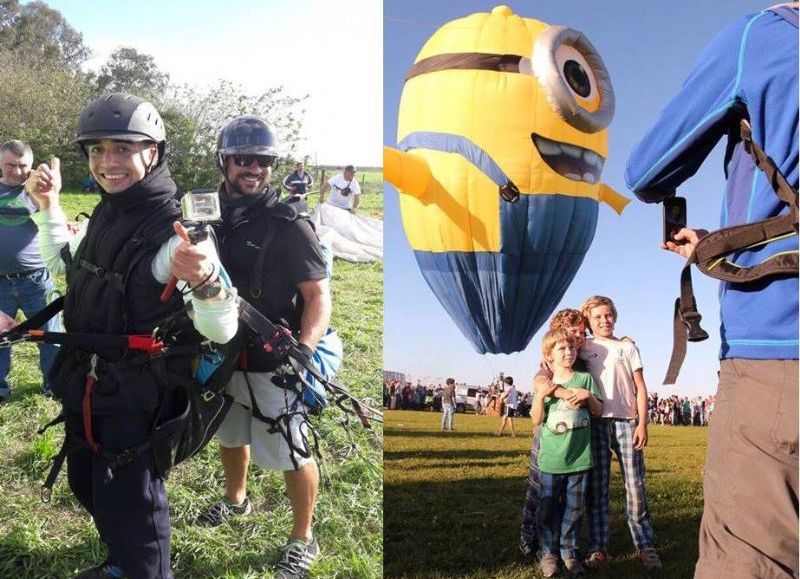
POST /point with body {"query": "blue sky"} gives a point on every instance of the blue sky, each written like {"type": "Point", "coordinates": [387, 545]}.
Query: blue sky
{"type": "Point", "coordinates": [649, 49]}
{"type": "Point", "coordinates": [328, 50]}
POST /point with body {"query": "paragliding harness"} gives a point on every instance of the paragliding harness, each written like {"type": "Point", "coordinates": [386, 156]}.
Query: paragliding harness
{"type": "Point", "coordinates": [298, 373]}
{"type": "Point", "coordinates": [201, 402]}
{"type": "Point", "coordinates": [710, 253]}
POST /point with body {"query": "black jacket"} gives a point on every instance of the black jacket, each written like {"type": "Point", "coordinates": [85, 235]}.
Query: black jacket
{"type": "Point", "coordinates": [111, 290]}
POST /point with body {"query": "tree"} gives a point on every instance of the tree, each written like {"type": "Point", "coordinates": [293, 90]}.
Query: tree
{"type": "Point", "coordinates": [41, 107]}
{"type": "Point", "coordinates": [41, 36]}
{"type": "Point", "coordinates": [128, 70]}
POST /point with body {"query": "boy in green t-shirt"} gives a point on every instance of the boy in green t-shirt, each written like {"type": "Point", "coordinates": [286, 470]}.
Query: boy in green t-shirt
{"type": "Point", "coordinates": [565, 457]}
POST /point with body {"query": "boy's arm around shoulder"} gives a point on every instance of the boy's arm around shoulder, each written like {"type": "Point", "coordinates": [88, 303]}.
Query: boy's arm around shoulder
{"type": "Point", "coordinates": [594, 401]}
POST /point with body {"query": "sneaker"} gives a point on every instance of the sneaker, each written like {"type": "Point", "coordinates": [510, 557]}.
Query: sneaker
{"type": "Point", "coordinates": [595, 560]}
{"type": "Point", "coordinates": [549, 565]}
{"type": "Point", "coordinates": [296, 559]}
{"type": "Point", "coordinates": [650, 559]}
{"type": "Point", "coordinates": [105, 570]}
{"type": "Point", "coordinates": [222, 511]}
{"type": "Point", "coordinates": [573, 566]}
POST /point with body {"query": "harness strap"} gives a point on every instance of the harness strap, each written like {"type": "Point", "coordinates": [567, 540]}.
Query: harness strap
{"type": "Point", "coordinates": [258, 271]}
{"type": "Point", "coordinates": [710, 255]}
{"type": "Point", "coordinates": [115, 279]}
{"type": "Point", "coordinates": [86, 406]}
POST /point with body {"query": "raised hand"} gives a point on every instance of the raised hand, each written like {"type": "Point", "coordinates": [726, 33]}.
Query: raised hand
{"type": "Point", "coordinates": [44, 184]}
{"type": "Point", "coordinates": [193, 263]}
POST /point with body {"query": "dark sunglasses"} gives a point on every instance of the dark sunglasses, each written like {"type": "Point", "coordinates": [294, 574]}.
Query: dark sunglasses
{"type": "Point", "coordinates": [247, 160]}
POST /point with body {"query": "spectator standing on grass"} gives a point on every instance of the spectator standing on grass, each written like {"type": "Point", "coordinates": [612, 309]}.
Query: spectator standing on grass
{"type": "Point", "coordinates": [25, 282]}
{"type": "Point", "coordinates": [344, 188]}
{"type": "Point", "coordinates": [298, 182]}
{"type": "Point", "coordinates": [511, 399]}
{"type": "Point", "coordinates": [565, 457]}
{"type": "Point", "coordinates": [617, 368]}
{"type": "Point", "coordinates": [449, 405]}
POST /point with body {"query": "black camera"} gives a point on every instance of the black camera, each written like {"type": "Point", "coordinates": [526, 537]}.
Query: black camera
{"type": "Point", "coordinates": [346, 191]}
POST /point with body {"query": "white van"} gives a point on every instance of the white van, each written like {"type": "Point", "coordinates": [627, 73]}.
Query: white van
{"type": "Point", "coordinates": [466, 396]}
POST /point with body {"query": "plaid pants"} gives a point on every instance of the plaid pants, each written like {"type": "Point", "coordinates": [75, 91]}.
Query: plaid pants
{"type": "Point", "coordinates": [527, 533]}
{"type": "Point", "coordinates": [558, 519]}
{"type": "Point", "coordinates": [613, 434]}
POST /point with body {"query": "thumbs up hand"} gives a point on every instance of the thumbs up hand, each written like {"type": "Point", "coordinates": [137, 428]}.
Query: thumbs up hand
{"type": "Point", "coordinates": [44, 184]}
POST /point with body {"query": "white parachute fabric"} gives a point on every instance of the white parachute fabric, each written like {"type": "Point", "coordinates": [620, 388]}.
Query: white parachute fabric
{"type": "Point", "coordinates": [355, 238]}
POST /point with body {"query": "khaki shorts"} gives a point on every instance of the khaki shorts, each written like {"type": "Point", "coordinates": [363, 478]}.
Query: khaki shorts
{"type": "Point", "coordinates": [240, 428]}
{"type": "Point", "coordinates": [749, 526]}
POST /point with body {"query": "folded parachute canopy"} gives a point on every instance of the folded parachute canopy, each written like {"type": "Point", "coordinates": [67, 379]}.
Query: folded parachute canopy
{"type": "Point", "coordinates": [502, 141]}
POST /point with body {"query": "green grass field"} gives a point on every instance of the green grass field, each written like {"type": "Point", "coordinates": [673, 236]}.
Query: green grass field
{"type": "Point", "coordinates": [453, 503]}
{"type": "Point", "coordinates": [56, 540]}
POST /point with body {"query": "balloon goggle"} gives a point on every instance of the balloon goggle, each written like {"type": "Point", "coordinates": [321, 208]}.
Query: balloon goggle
{"type": "Point", "coordinates": [263, 161]}
{"type": "Point", "coordinates": [566, 65]}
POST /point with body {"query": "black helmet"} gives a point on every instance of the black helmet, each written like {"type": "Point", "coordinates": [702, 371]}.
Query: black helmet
{"type": "Point", "coordinates": [246, 135]}
{"type": "Point", "coordinates": [120, 116]}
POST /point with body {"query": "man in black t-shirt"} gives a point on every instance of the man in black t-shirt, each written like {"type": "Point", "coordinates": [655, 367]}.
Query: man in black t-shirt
{"type": "Point", "coordinates": [290, 286]}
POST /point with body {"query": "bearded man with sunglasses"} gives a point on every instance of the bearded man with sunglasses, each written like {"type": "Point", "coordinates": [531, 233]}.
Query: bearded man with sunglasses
{"type": "Point", "coordinates": [273, 257]}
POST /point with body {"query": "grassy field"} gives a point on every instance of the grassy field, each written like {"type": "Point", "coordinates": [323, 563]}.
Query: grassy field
{"type": "Point", "coordinates": [55, 540]}
{"type": "Point", "coordinates": [453, 503]}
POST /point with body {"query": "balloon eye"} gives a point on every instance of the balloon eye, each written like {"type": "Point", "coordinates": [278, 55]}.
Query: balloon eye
{"type": "Point", "coordinates": [577, 78]}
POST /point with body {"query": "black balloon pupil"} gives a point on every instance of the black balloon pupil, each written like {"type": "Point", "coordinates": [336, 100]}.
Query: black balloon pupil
{"type": "Point", "coordinates": [577, 78]}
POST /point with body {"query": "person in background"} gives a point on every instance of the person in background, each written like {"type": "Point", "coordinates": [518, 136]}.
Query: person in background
{"type": "Point", "coordinates": [344, 188]}
{"type": "Point", "coordinates": [25, 282]}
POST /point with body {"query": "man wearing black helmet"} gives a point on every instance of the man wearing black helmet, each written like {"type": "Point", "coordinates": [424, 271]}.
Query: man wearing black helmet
{"type": "Point", "coordinates": [274, 258]}
{"type": "Point", "coordinates": [116, 266]}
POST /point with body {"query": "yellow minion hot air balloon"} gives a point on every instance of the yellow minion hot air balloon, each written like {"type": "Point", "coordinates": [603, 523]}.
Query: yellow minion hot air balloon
{"type": "Point", "coordinates": [502, 142]}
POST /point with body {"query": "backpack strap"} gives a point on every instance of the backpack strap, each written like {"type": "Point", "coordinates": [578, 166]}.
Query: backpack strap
{"type": "Point", "coordinates": [710, 255]}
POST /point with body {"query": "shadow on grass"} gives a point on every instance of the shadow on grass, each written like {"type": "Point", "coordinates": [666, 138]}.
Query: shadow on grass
{"type": "Point", "coordinates": [450, 455]}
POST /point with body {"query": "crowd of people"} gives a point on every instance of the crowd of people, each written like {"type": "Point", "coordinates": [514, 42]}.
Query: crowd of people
{"type": "Point", "coordinates": [680, 410]}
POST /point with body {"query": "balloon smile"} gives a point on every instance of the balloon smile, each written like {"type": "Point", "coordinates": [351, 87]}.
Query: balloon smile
{"type": "Point", "coordinates": [570, 161]}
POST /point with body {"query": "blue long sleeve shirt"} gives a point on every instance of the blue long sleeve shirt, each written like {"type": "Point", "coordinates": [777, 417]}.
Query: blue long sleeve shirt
{"type": "Point", "coordinates": [750, 70]}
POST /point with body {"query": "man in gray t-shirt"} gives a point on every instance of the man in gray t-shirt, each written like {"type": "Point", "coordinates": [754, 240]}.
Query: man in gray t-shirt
{"type": "Point", "coordinates": [25, 282]}
{"type": "Point", "coordinates": [511, 397]}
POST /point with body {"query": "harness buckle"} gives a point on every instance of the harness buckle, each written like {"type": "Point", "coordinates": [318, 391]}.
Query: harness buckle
{"type": "Point", "coordinates": [691, 319]}
{"type": "Point", "coordinates": [10, 340]}
{"type": "Point", "coordinates": [207, 395]}
{"type": "Point", "coordinates": [92, 373]}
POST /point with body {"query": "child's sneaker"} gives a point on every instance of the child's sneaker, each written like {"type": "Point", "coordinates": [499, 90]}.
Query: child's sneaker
{"type": "Point", "coordinates": [650, 558]}
{"type": "Point", "coordinates": [574, 566]}
{"type": "Point", "coordinates": [595, 560]}
{"type": "Point", "coordinates": [549, 565]}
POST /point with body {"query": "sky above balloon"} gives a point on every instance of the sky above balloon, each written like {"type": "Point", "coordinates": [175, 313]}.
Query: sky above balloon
{"type": "Point", "coordinates": [330, 51]}
{"type": "Point", "coordinates": [648, 49]}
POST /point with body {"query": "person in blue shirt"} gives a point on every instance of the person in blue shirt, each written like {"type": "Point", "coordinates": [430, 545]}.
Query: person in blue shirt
{"type": "Point", "coordinates": [25, 282]}
{"type": "Point", "coordinates": [749, 71]}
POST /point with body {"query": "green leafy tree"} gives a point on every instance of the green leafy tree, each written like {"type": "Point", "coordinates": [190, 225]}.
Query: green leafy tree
{"type": "Point", "coordinates": [41, 36]}
{"type": "Point", "coordinates": [41, 107]}
{"type": "Point", "coordinates": [131, 71]}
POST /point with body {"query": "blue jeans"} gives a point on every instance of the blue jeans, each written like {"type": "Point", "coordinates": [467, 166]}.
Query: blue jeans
{"type": "Point", "coordinates": [29, 294]}
{"type": "Point", "coordinates": [449, 416]}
